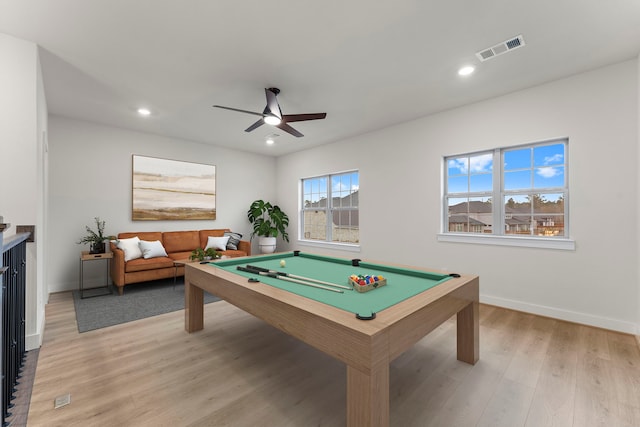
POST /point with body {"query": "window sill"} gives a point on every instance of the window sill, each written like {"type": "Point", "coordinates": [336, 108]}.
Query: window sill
{"type": "Point", "coordinates": [519, 241]}
{"type": "Point", "coordinates": [330, 245]}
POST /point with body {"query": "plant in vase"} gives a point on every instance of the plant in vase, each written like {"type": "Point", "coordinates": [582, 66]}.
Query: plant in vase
{"type": "Point", "coordinates": [268, 222]}
{"type": "Point", "coordinates": [96, 239]}
{"type": "Point", "coordinates": [200, 254]}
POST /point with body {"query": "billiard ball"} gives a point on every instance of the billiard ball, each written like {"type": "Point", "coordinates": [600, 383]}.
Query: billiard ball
{"type": "Point", "coordinates": [283, 263]}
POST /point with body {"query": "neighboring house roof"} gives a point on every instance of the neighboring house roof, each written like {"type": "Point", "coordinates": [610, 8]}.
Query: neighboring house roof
{"type": "Point", "coordinates": [484, 207]}
{"type": "Point", "coordinates": [463, 219]}
{"type": "Point", "coordinates": [516, 221]}
{"type": "Point", "coordinates": [519, 210]}
{"type": "Point", "coordinates": [473, 207]}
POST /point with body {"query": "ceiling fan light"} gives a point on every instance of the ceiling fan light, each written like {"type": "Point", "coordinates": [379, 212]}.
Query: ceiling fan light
{"type": "Point", "coordinates": [272, 120]}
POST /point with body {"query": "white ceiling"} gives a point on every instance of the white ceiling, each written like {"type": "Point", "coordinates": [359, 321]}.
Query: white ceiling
{"type": "Point", "coordinates": [367, 64]}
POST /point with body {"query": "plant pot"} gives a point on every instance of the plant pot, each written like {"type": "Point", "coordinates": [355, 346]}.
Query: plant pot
{"type": "Point", "coordinates": [267, 245]}
{"type": "Point", "coordinates": [98, 248]}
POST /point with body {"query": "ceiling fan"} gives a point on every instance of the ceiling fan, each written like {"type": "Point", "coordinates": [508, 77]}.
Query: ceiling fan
{"type": "Point", "coordinates": [272, 115]}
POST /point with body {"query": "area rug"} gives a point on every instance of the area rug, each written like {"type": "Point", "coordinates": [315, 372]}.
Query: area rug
{"type": "Point", "coordinates": [139, 301]}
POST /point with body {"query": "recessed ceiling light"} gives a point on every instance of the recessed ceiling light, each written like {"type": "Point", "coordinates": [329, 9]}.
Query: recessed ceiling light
{"type": "Point", "coordinates": [466, 70]}
{"type": "Point", "coordinates": [144, 112]}
{"type": "Point", "coordinates": [271, 138]}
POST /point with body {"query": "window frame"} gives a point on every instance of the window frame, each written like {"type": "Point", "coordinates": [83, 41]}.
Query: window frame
{"type": "Point", "coordinates": [498, 236]}
{"type": "Point", "coordinates": [329, 209]}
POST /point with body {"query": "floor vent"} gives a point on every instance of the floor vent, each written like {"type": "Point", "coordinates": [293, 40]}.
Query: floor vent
{"type": "Point", "coordinates": [61, 401]}
{"type": "Point", "coordinates": [500, 48]}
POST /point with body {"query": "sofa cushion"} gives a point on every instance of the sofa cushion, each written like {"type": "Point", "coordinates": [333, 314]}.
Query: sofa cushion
{"type": "Point", "coordinates": [217, 243]}
{"type": "Point", "coordinates": [180, 255]}
{"type": "Point", "coordinates": [180, 241]}
{"type": "Point", "coordinates": [233, 254]}
{"type": "Point", "coordinates": [234, 240]}
{"type": "Point", "coordinates": [130, 248]}
{"type": "Point", "coordinates": [204, 235]}
{"type": "Point", "coordinates": [152, 249]}
{"type": "Point", "coordinates": [142, 264]}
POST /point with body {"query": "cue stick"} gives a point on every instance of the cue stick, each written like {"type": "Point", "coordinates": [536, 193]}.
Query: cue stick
{"type": "Point", "coordinates": [288, 279]}
{"type": "Point", "coordinates": [295, 276]}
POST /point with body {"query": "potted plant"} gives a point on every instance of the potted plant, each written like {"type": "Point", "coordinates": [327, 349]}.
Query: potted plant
{"type": "Point", "coordinates": [200, 254]}
{"type": "Point", "coordinates": [268, 221]}
{"type": "Point", "coordinates": [96, 239]}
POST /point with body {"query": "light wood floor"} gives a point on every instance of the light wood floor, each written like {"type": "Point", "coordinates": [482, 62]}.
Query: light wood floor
{"type": "Point", "coordinates": [238, 371]}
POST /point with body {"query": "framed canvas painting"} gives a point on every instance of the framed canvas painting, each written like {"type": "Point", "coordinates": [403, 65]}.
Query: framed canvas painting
{"type": "Point", "coordinates": [172, 190]}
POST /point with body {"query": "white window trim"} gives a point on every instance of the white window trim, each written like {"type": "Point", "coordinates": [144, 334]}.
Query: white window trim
{"type": "Point", "coordinates": [560, 243]}
{"type": "Point", "coordinates": [348, 247]}
{"type": "Point", "coordinates": [518, 241]}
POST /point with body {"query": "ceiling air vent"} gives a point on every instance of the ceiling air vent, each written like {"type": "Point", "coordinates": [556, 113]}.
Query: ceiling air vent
{"type": "Point", "coordinates": [500, 48]}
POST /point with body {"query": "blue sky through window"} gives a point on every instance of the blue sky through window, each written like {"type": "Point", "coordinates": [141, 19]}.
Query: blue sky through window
{"type": "Point", "coordinates": [534, 167]}
{"type": "Point", "coordinates": [342, 185]}
{"type": "Point", "coordinates": [473, 173]}
{"type": "Point", "coordinates": [526, 168]}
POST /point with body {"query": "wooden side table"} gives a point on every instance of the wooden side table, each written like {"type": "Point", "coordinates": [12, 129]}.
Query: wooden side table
{"type": "Point", "coordinates": [86, 256]}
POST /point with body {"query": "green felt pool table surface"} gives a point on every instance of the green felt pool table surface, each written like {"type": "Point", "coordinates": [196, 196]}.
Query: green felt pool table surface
{"type": "Point", "coordinates": [402, 283]}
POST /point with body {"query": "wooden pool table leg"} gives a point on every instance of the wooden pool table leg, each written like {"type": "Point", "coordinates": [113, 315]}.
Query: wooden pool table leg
{"type": "Point", "coordinates": [368, 397]}
{"type": "Point", "coordinates": [193, 307]}
{"type": "Point", "coordinates": [469, 333]}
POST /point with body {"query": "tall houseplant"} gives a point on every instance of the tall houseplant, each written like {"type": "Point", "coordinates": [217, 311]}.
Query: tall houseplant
{"type": "Point", "coordinates": [268, 222]}
{"type": "Point", "coordinates": [96, 239]}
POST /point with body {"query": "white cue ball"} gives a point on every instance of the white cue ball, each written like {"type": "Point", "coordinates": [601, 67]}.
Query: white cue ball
{"type": "Point", "coordinates": [283, 263]}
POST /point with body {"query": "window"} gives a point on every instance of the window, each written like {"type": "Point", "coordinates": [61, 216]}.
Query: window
{"type": "Point", "coordinates": [329, 211]}
{"type": "Point", "coordinates": [517, 191]}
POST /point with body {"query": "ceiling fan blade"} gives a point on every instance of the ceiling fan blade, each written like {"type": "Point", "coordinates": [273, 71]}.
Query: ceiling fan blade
{"type": "Point", "coordinates": [285, 127]}
{"type": "Point", "coordinates": [240, 111]}
{"type": "Point", "coordinates": [272, 102]}
{"type": "Point", "coordinates": [302, 117]}
{"type": "Point", "coordinates": [255, 125]}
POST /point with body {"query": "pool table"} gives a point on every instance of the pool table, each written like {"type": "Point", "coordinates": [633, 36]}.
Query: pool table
{"type": "Point", "coordinates": [365, 330]}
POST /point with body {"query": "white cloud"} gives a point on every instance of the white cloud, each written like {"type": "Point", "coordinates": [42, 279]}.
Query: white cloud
{"type": "Point", "coordinates": [477, 164]}
{"type": "Point", "coordinates": [548, 172]}
{"type": "Point", "coordinates": [556, 158]}
{"type": "Point", "coordinates": [482, 163]}
{"type": "Point", "coordinates": [460, 164]}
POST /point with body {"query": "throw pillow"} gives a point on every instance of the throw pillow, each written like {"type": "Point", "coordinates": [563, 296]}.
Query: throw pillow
{"type": "Point", "coordinates": [130, 248]}
{"type": "Point", "coordinates": [217, 243]}
{"type": "Point", "coordinates": [234, 240]}
{"type": "Point", "coordinates": [152, 249]}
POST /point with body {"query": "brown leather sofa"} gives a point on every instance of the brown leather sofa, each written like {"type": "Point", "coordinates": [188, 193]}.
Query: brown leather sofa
{"type": "Point", "coordinates": [178, 246]}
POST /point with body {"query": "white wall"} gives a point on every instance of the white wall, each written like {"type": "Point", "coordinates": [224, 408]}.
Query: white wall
{"type": "Point", "coordinates": [90, 175]}
{"type": "Point", "coordinates": [24, 117]}
{"type": "Point", "coordinates": [400, 195]}
{"type": "Point", "coordinates": [18, 77]}
{"type": "Point", "coordinates": [638, 199]}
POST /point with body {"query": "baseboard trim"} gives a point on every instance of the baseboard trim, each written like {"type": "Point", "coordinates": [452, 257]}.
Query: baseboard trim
{"type": "Point", "coordinates": [570, 316]}
{"type": "Point", "coordinates": [33, 341]}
